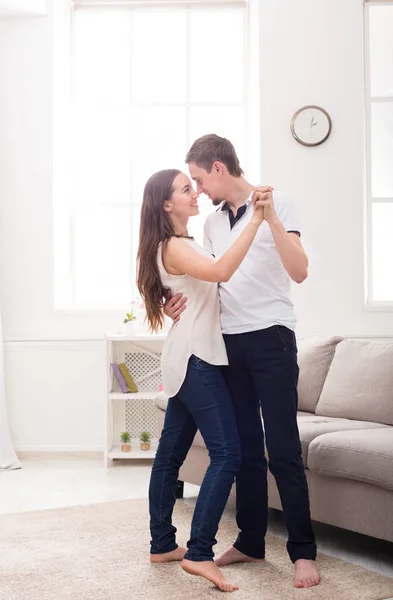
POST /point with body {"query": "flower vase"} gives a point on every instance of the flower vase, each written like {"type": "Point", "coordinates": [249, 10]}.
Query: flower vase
{"type": "Point", "coordinates": [130, 328]}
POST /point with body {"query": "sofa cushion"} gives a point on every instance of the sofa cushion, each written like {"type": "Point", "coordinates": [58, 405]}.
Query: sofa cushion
{"type": "Point", "coordinates": [198, 440]}
{"type": "Point", "coordinates": [311, 427]}
{"type": "Point", "coordinates": [359, 384]}
{"type": "Point", "coordinates": [161, 400]}
{"type": "Point", "coordinates": [365, 455]}
{"type": "Point", "coordinates": [314, 357]}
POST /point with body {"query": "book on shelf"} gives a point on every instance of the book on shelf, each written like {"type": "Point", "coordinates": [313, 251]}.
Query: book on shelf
{"type": "Point", "coordinates": [128, 378]}
{"type": "Point", "coordinates": [120, 379]}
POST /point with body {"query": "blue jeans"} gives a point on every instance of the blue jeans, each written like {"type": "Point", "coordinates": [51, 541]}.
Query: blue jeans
{"type": "Point", "coordinates": [203, 402]}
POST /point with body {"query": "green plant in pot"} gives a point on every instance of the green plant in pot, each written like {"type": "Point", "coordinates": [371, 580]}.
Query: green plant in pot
{"type": "Point", "coordinates": [125, 438]}
{"type": "Point", "coordinates": [129, 317]}
{"type": "Point", "coordinates": [145, 440]}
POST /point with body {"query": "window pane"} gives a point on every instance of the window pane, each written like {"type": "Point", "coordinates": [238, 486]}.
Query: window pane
{"type": "Point", "coordinates": [101, 57]}
{"type": "Point", "coordinates": [159, 56]}
{"type": "Point", "coordinates": [101, 155]}
{"type": "Point", "coordinates": [227, 122]}
{"type": "Point", "coordinates": [145, 85]}
{"type": "Point", "coordinates": [102, 257]}
{"type": "Point", "coordinates": [159, 142]}
{"type": "Point", "coordinates": [382, 150]}
{"type": "Point", "coordinates": [382, 227]}
{"type": "Point", "coordinates": [381, 50]}
{"type": "Point", "coordinates": [217, 56]}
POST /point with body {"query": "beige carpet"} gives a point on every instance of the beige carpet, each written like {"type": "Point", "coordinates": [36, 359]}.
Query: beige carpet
{"type": "Point", "coordinates": [100, 552]}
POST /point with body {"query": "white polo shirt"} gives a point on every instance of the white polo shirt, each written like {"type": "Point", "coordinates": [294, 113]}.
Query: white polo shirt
{"type": "Point", "coordinates": [258, 294]}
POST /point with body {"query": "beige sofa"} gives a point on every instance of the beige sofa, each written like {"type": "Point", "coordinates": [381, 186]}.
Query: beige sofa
{"type": "Point", "coordinates": [345, 422]}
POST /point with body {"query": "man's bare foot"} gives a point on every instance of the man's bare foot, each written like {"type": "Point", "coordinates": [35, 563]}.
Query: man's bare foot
{"type": "Point", "coordinates": [234, 556]}
{"type": "Point", "coordinates": [209, 570]}
{"type": "Point", "coordinates": [176, 554]}
{"type": "Point", "coordinates": [306, 574]}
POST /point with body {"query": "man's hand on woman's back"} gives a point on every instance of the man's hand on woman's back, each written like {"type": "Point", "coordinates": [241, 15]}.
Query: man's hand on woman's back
{"type": "Point", "coordinates": [174, 306]}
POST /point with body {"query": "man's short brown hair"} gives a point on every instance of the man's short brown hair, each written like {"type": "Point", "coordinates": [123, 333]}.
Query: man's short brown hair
{"type": "Point", "coordinates": [209, 148]}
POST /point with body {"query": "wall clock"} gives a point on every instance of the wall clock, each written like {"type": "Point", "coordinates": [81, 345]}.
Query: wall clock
{"type": "Point", "coordinates": [311, 125]}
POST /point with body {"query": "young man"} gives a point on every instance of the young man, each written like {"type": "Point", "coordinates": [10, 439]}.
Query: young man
{"type": "Point", "coordinates": [258, 322]}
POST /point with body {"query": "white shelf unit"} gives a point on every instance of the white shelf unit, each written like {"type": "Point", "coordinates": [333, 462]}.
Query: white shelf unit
{"type": "Point", "coordinates": [133, 412]}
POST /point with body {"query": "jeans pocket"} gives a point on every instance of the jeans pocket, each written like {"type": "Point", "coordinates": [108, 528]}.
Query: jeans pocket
{"type": "Point", "coordinates": [209, 375]}
{"type": "Point", "coordinates": [202, 364]}
{"type": "Point", "coordinates": [286, 337]}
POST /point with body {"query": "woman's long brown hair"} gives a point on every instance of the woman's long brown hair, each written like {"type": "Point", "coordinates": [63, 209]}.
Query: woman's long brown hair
{"type": "Point", "coordinates": [155, 228]}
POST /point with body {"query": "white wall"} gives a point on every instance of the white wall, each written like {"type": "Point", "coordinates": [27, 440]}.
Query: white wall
{"type": "Point", "coordinates": [56, 394]}
{"type": "Point", "coordinates": [310, 53]}
{"type": "Point", "coordinates": [17, 8]}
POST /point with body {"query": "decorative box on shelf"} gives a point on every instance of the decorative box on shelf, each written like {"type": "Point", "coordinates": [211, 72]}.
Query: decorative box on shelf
{"type": "Point", "coordinates": [132, 412]}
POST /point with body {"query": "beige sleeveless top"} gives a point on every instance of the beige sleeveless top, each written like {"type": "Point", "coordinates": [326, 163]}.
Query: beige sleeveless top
{"type": "Point", "coordinates": [198, 331]}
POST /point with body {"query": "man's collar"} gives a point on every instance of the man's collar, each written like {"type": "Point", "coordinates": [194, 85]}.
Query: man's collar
{"type": "Point", "coordinates": [225, 205]}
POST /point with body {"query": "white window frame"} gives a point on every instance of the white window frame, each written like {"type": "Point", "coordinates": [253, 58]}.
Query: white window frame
{"type": "Point", "coordinates": [370, 303]}
{"type": "Point", "coordinates": [63, 275]}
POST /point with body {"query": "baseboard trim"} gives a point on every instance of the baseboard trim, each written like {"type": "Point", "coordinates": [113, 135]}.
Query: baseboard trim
{"type": "Point", "coordinates": [68, 449]}
{"type": "Point", "coordinates": [45, 345]}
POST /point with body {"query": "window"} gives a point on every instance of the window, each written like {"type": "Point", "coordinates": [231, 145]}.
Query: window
{"type": "Point", "coordinates": [379, 101]}
{"type": "Point", "coordinates": [145, 81]}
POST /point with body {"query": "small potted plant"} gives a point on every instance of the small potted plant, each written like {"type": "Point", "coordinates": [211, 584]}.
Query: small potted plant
{"type": "Point", "coordinates": [129, 320]}
{"type": "Point", "coordinates": [145, 440]}
{"type": "Point", "coordinates": [133, 322]}
{"type": "Point", "coordinates": [125, 438]}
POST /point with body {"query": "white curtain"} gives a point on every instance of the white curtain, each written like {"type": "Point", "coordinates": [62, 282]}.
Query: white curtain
{"type": "Point", "coordinates": [8, 458]}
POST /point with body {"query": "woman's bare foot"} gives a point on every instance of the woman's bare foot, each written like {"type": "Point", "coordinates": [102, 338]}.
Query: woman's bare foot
{"type": "Point", "coordinates": [306, 574]}
{"type": "Point", "coordinates": [176, 554]}
{"type": "Point", "coordinates": [209, 570]}
{"type": "Point", "coordinates": [234, 556]}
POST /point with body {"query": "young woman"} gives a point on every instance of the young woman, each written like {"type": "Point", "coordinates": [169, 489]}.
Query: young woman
{"type": "Point", "coordinates": [194, 350]}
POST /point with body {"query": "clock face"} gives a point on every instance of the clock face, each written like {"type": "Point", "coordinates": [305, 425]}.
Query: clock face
{"type": "Point", "coordinates": [311, 125]}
